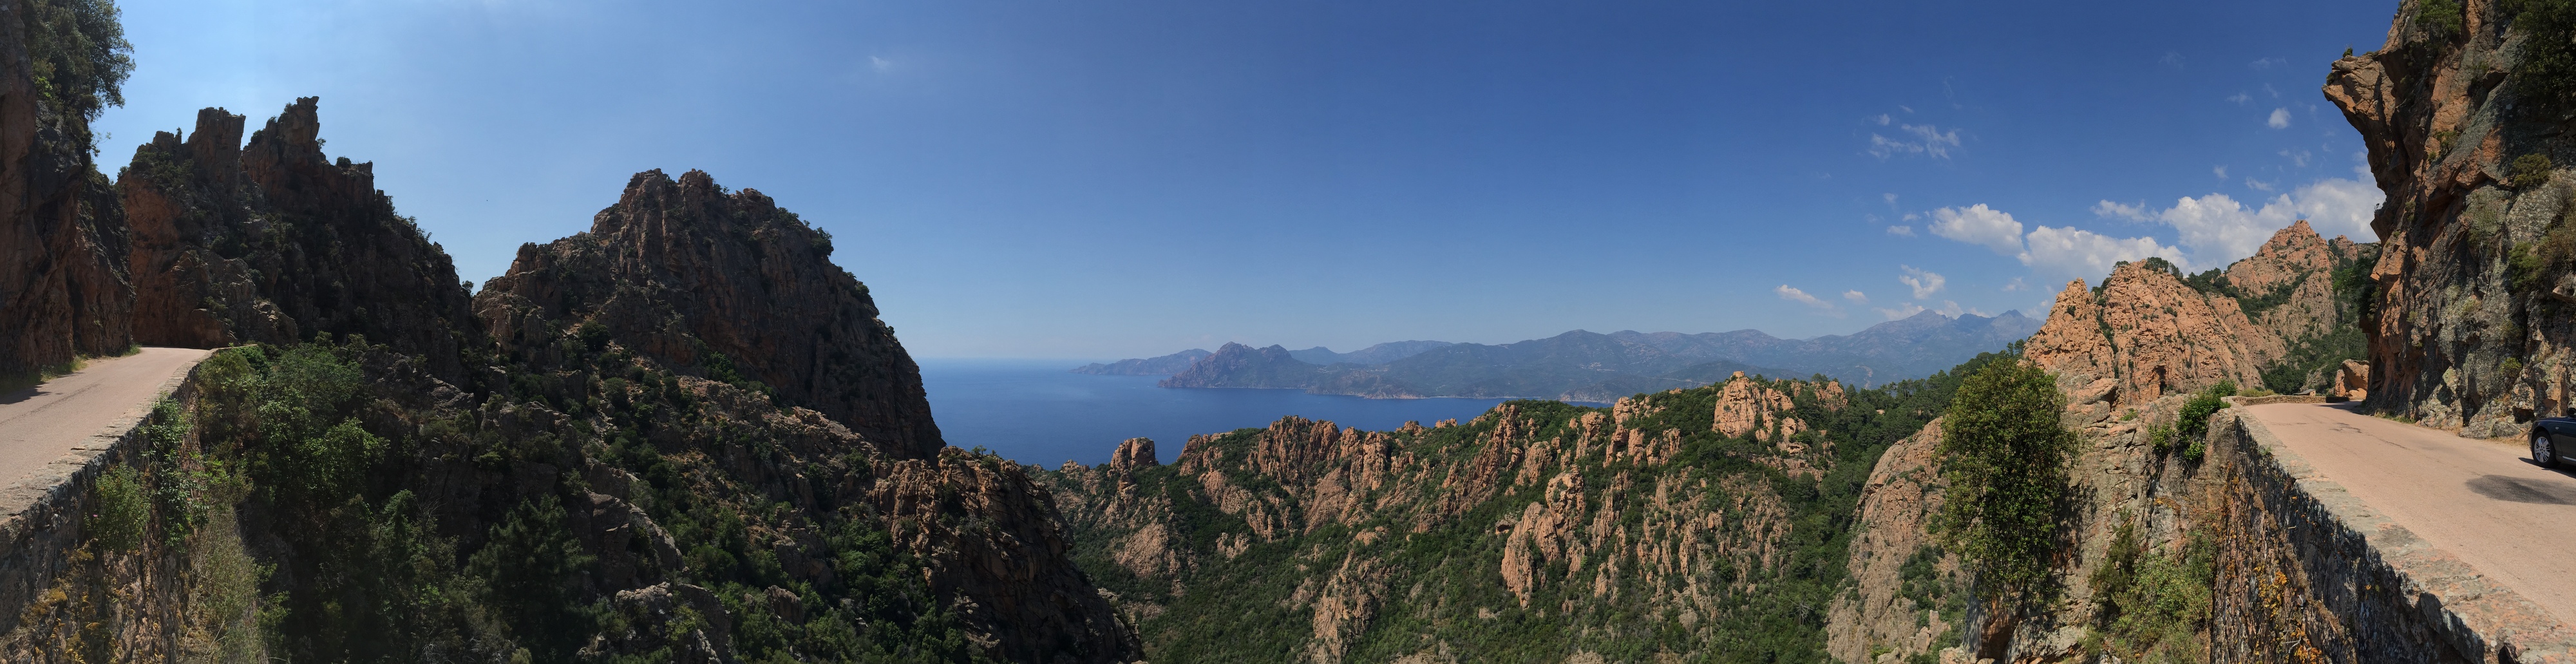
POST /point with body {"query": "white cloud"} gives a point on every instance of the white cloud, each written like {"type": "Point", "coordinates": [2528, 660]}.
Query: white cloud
{"type": "Point", "coordinates": [2337, 206]}
{"type": "Point", "coordinates": [2017, 284]}
{"type": "Point", "coordinates": [2218, 230]}
{"type": "Point", "coordinates": [2280, 119]}
{"type": "Point", "coordinates": [2084, 254]}
{"type": "Point", "coordinates": [1901, 231]}
{"type": "Point", "coordinates": [1856, 297]}
{"type": "Point", "coordinates": [2136, 212]}
{"type": "Point", "coordinates": [1801, 297]}
{"type": "Point", "coordinates": [1979, 225]}
{"type": "Point", "coordinates": [1881, 119]}
{"type": "Point", "coordinates": [1905, 108]}
{"type": "Point", "coordinates": [1891, 200]}
{"type": "Point", "coordinates": [2267, 89]}
{"type": "Point", "coordinates": [2296, 156]}
{"type": "Point", "coordinates": [2172, 58]}
{"type": "Point", "coordinates": [2240, 98]}
{"type": "Point", "coordinates": [2220, 170]}
{"type": "Point", "coordinates": [1901, 310]}
{"type": "Point", "coordinates": [2268, 63]}
{"type": "Point", "coordinates": [1924, 282]}
{"type": "Point", "coordinates": [2257, 185]}
{"type": "Point", "coordinates": [1927, 140]}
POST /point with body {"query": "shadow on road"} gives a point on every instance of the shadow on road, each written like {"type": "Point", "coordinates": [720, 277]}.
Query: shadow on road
{"type": "Point", "coordinates": [21, 394]}
{"type": "Point", "coordinates": [2519, 490]}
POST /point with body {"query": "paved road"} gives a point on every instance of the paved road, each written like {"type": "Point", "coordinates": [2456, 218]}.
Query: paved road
{"type": "Point", "coordinates": [2481, 500]}
{"type": "Point", "coordinates": [45, 422]}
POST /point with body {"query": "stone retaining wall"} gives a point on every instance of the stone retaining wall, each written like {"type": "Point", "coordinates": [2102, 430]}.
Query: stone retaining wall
{"type": "Point", "coordinates": [40, 517]}
{"type": "Point", "coordinates": [2308, 573]}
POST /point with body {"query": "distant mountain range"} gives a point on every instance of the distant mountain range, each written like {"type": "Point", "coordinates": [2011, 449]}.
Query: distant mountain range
{"type": "Point", "coordinates": [1595, 367]}
{"type": "Point", "coordinates": [1151, 366]}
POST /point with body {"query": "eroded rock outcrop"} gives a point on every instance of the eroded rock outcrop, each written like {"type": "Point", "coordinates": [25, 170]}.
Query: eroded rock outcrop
{"type": "Point", "coordinates": [274, 242]}
{"type": "Point", "coordinates": [728, 285]}
{"type": "Point", "coordinates": [2147, 331]}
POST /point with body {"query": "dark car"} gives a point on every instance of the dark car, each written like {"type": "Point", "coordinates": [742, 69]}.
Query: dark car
{"type": "Point", "coordinates": [2552, 439]}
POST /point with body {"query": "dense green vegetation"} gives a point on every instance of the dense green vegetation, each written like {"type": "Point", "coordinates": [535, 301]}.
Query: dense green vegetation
{"type": "Point", "coordinates": [1441, 589]}
{"type": "Point", "coordinates": [80, 60]}
{"type": "Point", "coordinates": [301, 451]}
{"type": "Point", "coordinates": [2545, 69]}
{"type": "Point", "coordinates": [2004, 455]}
{"type": "Point", "coordinates": [2153, 603]}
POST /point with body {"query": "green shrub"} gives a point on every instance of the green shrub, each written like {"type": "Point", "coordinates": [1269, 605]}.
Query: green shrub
{"type": "Point", "coordinates": [2194, 422]}
{"type": "Point", "coordinates": [2528, 171]}
{"type": "Point", "coordinates": [2441, 18]}
{"type": "Point", "coordinates": [2545, 68]}
{"type": "Point", "coordinates": [2005, 459]}
{"type": "Point", "coordinates": [119, 512]}
{"type": "Point", "coordinates": [2152, 603]}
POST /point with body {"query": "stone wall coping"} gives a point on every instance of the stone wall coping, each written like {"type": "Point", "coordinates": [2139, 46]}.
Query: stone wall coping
{"type": "Point", "coordinates": [2474, 613]}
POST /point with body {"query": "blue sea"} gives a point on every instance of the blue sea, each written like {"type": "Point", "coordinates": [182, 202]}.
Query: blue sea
{"type": "Point", "coordinates": [1038, 412]}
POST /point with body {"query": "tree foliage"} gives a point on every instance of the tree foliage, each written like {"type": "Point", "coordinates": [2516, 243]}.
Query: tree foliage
{"type": "Point", "coordinates": [2004, 455]}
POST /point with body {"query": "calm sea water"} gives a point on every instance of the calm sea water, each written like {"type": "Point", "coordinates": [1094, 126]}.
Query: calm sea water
{"type": "Point", "coordinates": [1034, 411]}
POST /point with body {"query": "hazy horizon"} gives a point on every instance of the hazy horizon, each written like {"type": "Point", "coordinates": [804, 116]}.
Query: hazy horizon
{"type": "Point", "coordinates": [1132, 178]}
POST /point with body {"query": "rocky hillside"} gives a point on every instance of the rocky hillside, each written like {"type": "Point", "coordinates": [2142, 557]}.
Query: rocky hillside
{"type": "Point", "coordinates": [2276, 320]}
{"type": "Point", "coordinates": [2463, 111]}
{"type": "Point", "coordinates": [1690, 524]}
{"type": "Point", "coordinates": [724, 285]}
{"type": "Point", "coordinates": [2144, 512]}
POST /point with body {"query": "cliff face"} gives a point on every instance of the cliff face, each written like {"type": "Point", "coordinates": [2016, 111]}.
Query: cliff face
{"type": "Point", "coordinates": [2472, 322]}
{"type": "Point", "coordinates": [273, 242]}
{"type": "Point", "coordinates": [729, 286]}
{"type": "Point", "coordinates": [63, 285]}
{"type": "Point", "coordinates": [1679, 524]}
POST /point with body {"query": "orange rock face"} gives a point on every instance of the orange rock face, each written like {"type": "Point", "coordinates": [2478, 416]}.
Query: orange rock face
{"type": "Point", "coordinates": [2471, 326]}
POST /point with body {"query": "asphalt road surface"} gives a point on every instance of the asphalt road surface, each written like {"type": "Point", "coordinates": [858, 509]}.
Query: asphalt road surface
{"type": "Point", "coordinates": [43, 423]}
{"type": "Point", "coordinates": [2481, 500]}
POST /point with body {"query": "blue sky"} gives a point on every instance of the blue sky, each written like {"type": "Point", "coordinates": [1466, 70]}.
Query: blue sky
{"type": "Point", "coordinates": [1117, 178]}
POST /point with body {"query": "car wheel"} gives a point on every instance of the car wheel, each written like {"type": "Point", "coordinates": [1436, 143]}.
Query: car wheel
{"type": "Point", "coordinates": [2544, 453]}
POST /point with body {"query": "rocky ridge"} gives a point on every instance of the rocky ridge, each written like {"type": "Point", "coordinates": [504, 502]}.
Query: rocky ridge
{"type": "Point", "coordinates": [2147, 332]}
{"type": "Point", "coordinates": [273, 242]}
{"type": "Point", "coordinates": [725, 285]}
